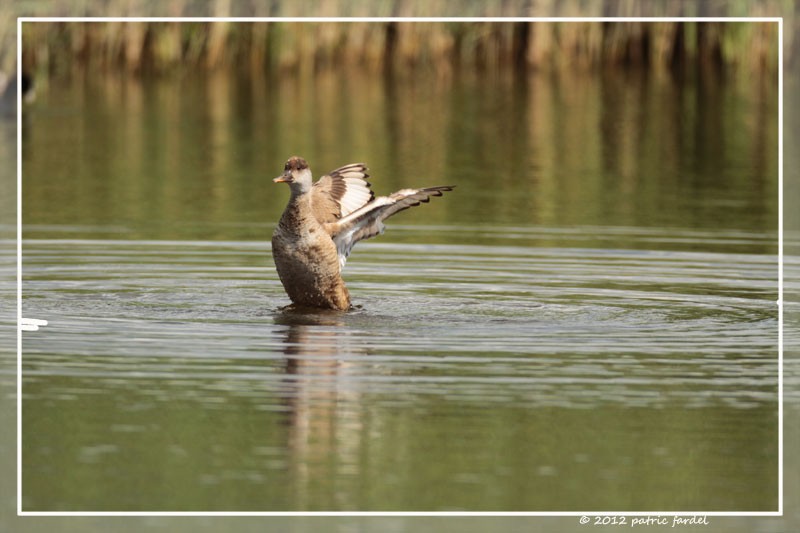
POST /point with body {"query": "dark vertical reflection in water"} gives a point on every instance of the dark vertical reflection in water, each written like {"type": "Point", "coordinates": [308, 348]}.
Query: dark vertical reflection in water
{"type": "Point", "coordinates": [547, 149]}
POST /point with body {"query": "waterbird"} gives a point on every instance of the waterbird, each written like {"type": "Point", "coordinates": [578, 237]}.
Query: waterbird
{"type": "Point", "coordinates": [321, 224]}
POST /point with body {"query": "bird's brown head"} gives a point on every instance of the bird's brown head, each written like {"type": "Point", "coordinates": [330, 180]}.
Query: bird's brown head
{"type": "Point", "coordinates": [293, 171]}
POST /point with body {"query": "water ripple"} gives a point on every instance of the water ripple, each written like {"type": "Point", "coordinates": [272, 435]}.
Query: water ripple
{"type": "Point", "coordinates": [482, 322]}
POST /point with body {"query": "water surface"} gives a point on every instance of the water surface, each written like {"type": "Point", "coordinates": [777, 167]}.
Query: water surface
{"type": "Point", "coordinates": [588, 322]}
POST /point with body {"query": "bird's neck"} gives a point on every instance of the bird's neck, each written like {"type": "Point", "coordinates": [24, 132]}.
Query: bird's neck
{"type": "Point", "coordinates": [299, 188]}
{"type": "Point", "coordinates": [297, 211]}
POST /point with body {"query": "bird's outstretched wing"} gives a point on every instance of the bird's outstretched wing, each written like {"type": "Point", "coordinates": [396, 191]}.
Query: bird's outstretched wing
{"type": "Point", "coordinates": [367, 221]}
{"type": "Point", "coordinates": [340, 192]}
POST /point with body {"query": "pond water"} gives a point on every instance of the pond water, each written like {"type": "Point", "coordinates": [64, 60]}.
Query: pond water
{"type": "Point", "coordinates": [588, 322]}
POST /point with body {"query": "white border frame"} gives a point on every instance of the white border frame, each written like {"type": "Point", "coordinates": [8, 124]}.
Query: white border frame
{"type": "Point", "coordinates": [584, 514]}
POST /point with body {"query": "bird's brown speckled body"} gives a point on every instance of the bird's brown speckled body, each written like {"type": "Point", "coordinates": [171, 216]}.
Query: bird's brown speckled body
{"type": "Point", "coordinates": [306, 259]}
{"type": "Point", "coordinates": [322, 223]}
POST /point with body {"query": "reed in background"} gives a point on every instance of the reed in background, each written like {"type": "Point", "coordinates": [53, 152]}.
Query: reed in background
{"type": "Point", "coordinates": [402, 46]}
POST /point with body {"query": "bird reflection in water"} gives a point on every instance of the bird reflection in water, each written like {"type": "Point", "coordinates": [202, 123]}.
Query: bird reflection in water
{"type": "Point", "coordinates": [322, 396]}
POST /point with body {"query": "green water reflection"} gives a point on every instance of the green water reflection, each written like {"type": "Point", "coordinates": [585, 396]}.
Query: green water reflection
{"type": "Point", "coordinates": [192, 157]}
{"type": "Point", "coordinates": [361, 452]}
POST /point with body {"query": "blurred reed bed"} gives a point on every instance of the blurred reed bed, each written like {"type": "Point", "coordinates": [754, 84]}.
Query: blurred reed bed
{"type": "Point", "coordinates": [165, 46]}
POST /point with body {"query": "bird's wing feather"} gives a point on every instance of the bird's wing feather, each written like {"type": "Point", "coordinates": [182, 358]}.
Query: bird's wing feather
{"type": "Point", "coordinates": [340, 192]}
{"type": "Point", "coordinates": [367, 221]}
